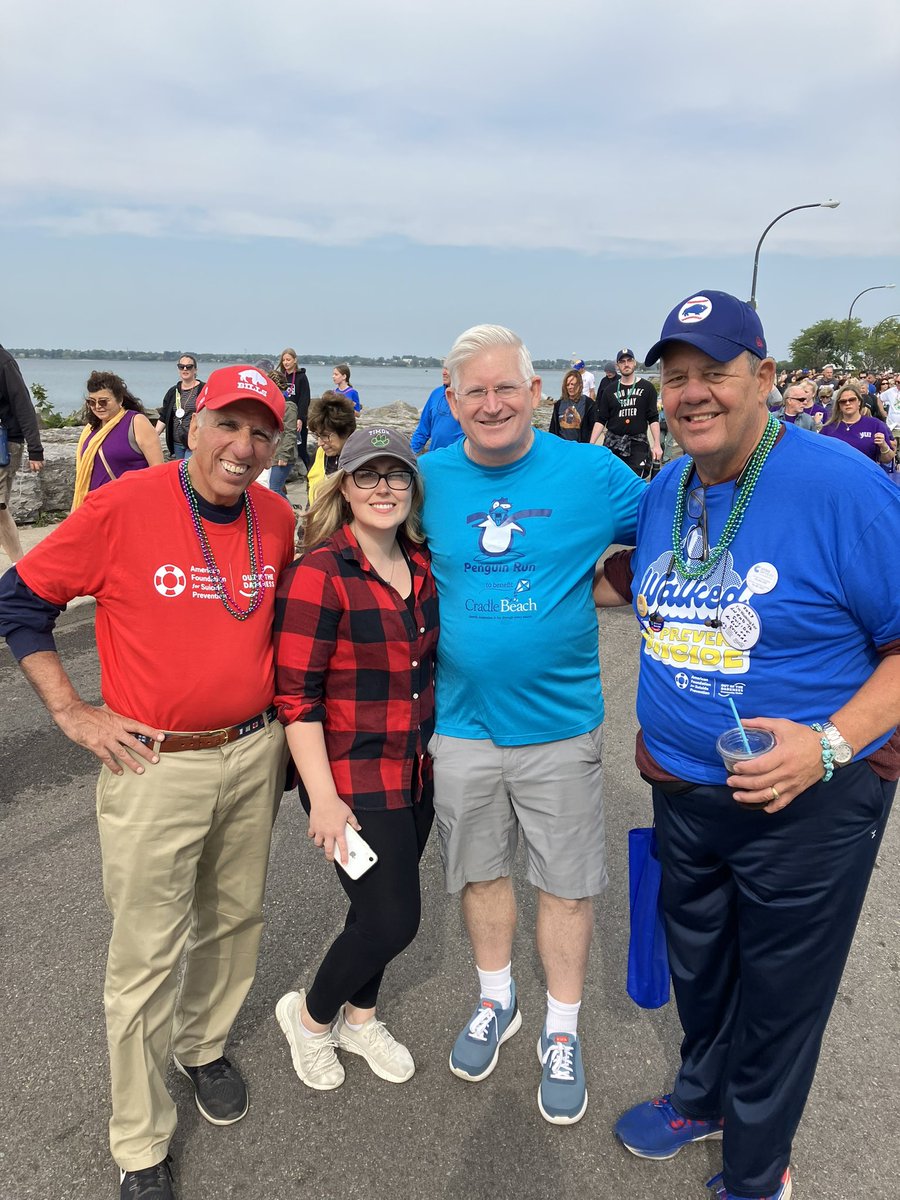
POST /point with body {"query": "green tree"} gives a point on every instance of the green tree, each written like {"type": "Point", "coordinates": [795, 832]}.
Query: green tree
{"type": "Point", "coordinates": [828, 341]}
{"type": "Point", "coordinates": [882, 347]}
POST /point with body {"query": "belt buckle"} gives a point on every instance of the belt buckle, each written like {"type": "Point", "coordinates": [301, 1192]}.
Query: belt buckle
{"type": "Point", "coordinates": [209, 735]}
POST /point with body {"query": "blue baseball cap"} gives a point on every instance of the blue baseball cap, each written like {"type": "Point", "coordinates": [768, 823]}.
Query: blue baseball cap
{"type": "Point", "coordinates": [718, 324]}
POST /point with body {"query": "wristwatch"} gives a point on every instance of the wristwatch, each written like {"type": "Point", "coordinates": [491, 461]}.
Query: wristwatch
{"type": "Point", "coordinates": [840, 747]}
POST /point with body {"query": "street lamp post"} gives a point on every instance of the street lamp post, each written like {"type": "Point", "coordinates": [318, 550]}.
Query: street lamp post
{"type": "Point", "coordinates": [796, 208]}
{"type": "Point", "coordinates": [876, 287]}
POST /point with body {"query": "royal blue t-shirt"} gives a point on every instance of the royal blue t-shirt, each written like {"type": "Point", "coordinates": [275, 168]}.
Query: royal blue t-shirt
{"type": "Point", "coordinates": [804, 599]}
{"type": "Point", "coordinates": [513, 553]}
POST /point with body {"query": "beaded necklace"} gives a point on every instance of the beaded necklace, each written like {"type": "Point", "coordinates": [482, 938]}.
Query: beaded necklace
{"type": "Point", "coordinates": [254, 546]}
{"type": "Point", "coordinates": [751, 474]}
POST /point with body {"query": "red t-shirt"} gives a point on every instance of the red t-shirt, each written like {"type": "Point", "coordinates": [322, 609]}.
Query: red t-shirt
{"type": "Point", "coordinates": [170, 655]}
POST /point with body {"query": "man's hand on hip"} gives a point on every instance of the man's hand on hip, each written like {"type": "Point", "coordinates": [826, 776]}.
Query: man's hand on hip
{"type": "Point", "coordinates": [108, 735]}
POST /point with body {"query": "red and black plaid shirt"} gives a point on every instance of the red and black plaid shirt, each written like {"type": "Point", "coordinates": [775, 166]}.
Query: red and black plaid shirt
{"type": "Point", "coordinates": [349, 653]}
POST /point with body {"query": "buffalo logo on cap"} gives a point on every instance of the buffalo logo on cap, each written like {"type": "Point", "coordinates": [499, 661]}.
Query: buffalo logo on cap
{"type": "Point", "coordinates": [380, 438]}
{"type": "Point", "coordinates": [252, 380]}
{"type": "Point", "coordinates": [696, 309]}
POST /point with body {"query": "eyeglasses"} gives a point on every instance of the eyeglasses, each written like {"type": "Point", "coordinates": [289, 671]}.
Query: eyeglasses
{"type": "Point", "coordinates": [187, 366]}
{"type": "Point", "coordinates": [367, 479]}
{"type": "Point", "coordinates": [503, 391]}
{"type": "Point", "coordinates": [97, 403]}
{"type": "Point", "coordinates": [698, 536]}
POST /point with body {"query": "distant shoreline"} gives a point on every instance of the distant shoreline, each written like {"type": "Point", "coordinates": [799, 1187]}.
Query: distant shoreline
{"type": "Point", "coordinates": [411, 361]}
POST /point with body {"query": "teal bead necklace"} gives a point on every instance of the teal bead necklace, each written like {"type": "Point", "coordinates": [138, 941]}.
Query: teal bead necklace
{"type": "Point", "coordinates": [689, 570]}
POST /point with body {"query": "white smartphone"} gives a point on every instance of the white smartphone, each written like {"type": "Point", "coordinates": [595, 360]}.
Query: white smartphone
{"type": "Point", "coordinates": [360, 855]}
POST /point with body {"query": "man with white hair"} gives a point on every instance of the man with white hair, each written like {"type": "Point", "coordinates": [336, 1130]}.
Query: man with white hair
{"type": "Point", "coordinates": [516, 520]}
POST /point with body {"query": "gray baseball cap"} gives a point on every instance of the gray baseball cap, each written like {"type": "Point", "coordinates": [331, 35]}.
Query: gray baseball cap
{"type": "Point", "coordinates": [379, 442]}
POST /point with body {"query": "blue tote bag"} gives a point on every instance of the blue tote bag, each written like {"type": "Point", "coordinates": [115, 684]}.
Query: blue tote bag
{"type": "Point", "coordinates": [648, 958]}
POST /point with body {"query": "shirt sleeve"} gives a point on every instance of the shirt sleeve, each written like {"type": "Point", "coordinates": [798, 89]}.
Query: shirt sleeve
{"type": "Point", "coordinates": [307, 612]}
{"type": "Point", "coordinates": [423, 429]}
{"type": "Point", "coordinates": [23, 410]}
{"type": "Point", "coordinates": [26, 619]}
{"type": "Point", "coordinates": [625, 490]}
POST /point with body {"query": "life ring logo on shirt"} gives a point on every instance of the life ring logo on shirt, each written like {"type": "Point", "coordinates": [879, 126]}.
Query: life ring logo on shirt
{"type": "Point", "coordinates": [170, 580]}
{"type": "Point", "coordinates": [696, 309]}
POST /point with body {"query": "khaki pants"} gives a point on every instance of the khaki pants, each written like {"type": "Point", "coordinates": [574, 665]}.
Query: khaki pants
{"type": "Point", "coordinates": [185, 849]}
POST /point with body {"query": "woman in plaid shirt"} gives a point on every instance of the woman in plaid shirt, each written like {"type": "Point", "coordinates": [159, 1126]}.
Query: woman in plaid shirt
{"type": "Point", "coordinates": [356, 628]}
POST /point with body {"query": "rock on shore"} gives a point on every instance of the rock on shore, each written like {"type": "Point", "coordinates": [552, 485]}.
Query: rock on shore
{"type": "Point", "coordinates": [50, 491]}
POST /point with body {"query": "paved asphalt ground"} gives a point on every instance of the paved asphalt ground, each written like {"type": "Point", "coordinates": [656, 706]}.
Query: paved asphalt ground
{"type": "Point", "coordinates": [436, 1136]}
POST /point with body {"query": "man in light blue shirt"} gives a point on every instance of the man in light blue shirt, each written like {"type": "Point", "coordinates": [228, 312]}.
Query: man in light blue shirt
{"type": "Point", "coordinates": [516, 520]}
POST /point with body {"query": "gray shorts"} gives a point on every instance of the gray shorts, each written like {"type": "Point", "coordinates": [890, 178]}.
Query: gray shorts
{"type": "Point", "coordinates": [552, 791]}
{"type": "Point", "coordinates": [7, 473]}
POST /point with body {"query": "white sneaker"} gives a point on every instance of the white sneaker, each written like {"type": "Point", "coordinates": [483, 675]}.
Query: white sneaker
{"type": "Point", "coordinates": [314, 1058]}
{"type": "Point", "coordinates": [384, 1054]}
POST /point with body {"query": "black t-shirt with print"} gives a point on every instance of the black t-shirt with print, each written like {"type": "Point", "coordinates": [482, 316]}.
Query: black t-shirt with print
{"type": "Point", "coordinates": [629, 410]}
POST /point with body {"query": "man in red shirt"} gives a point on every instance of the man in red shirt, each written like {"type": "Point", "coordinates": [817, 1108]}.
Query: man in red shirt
{"type": "Point", "coordinates": [193, 757]}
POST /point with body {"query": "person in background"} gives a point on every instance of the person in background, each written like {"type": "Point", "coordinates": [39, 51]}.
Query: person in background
{"type": "Point", "coordinates": [286, 451]}
{"type": "Point", "coordinates": [574, 416]}
{"type": "Point", "coordinates": [296, 388]}
{"type": "Point", "coordinates": [437, 425]}
{"type": "Point", "coordinates": [849, 424]}
{"type": "Point", "coordinates": [355, 638]}
{"type": "Point", "coordinates": [608, 380]}
{"type": "Point", "coordinates": [117, 438]}
{"type": "Point", "coordinates": [588, 386]}
{"type": "Point", "coordinates": [792, 410]}
{"type": "Point", "coordinates": [341, 377]}
{"type": "Point", "coordinates": [332, 419]}
{"type": "Point", "coordinates": [629, 418]}
{"type": "Point", "coordinates": [178, 407]}
{"type": "Point", "coordinates": [19, 425]}
{"type": "Point", "coordinates": [765, 863]}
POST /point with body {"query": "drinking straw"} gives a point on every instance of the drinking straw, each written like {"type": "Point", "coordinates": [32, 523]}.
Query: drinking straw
{"type": "Point", "coordinates": [739, 725]}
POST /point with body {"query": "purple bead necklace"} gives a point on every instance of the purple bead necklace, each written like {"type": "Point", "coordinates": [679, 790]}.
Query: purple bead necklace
{"type": "Point", "coordinates": [253, 545]}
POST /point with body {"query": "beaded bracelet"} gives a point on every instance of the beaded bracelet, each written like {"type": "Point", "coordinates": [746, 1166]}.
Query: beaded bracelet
{"type": "Point", "coordinates": [827, 752]}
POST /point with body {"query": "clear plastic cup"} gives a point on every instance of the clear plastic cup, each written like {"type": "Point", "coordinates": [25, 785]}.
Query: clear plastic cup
{"type": "Point", "coordinates": [730, 746]}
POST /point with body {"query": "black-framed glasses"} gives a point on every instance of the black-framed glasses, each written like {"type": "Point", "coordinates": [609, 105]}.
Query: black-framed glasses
{"type": "Point", "coordinates": [187, 366]}
{"type": "Point", "coordinates": [697, 540]}
{"type": "Point", "coordinates": [368, 478]}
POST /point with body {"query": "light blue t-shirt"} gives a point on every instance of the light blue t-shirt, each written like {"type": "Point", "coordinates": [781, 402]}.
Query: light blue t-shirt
{"type": "Point", "coordinates": [513, 552]}
{"type": "Point", "coordinates": [803, 596]}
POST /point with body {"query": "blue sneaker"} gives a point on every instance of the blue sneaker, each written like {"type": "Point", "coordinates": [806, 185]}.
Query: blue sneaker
{"type": "Point", "coordinates": [562, 1096]}
{"type": "Point", "coordinates": [655, 1130]}
{"type": "Point", "coordinates": [476, 1050]}
{"type": "Point", "coordinates": [722, 1193]}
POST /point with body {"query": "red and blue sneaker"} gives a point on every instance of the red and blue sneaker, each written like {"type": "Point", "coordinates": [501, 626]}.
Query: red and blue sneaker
{"type": "Point", "coordinates": [654, 1129]}
{"type": "Point", "coordinates": [722, 1192]}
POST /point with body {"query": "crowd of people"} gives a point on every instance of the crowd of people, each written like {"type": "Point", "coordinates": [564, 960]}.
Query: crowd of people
{"type": "Point", "coordinates": [403, 665]}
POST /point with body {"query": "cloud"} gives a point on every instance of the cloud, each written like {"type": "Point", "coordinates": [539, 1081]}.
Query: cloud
{"type": "Point", "coordinates": [649, 131]}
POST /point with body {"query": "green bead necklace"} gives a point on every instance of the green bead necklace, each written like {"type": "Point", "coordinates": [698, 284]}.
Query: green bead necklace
{"type": "Point", "coordinates": [688, 570]}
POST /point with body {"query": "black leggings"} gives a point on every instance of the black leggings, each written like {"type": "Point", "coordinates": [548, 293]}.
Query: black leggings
{"type": "Point", "coordinates": [385, 908]}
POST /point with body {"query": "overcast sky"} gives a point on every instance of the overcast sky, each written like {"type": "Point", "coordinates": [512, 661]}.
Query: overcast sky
{"type": "Point", "coordinates": [369, 178]}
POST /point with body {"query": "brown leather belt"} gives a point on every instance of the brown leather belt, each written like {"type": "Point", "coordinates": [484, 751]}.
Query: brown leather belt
{"type": "Point", "coordinates": [210, 739]}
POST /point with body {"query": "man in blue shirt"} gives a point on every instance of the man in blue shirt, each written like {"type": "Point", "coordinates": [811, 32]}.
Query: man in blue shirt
{"type": "Point", "coordinates": [765, 863]}
{"type": "Point", "coordinates": [437, 425]}
{"type": "Point", "coordinates": [516, 520]}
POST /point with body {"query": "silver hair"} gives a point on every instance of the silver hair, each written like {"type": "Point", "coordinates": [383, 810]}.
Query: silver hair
{"type": "Point", "coordinates": [485, 337]}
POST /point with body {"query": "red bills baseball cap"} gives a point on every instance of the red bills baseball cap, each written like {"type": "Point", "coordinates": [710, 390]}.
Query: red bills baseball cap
{"type": "Point", "coordinates": [228, 385]}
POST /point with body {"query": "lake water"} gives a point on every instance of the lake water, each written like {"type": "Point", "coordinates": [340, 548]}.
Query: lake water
{"type": "Point", "coordinates": [64, 379]}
